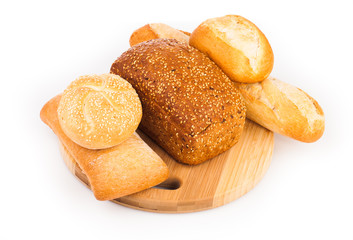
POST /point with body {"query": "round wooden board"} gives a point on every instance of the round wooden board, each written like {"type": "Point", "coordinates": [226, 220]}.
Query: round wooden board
{"type": "Point", "coordinates": [208, 185]}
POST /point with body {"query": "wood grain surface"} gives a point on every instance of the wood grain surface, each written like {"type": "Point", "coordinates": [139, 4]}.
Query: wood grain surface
{"type": "Point", "coordinates": [211, 184]}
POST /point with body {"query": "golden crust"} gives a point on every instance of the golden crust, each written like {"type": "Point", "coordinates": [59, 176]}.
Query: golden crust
{"type": "Point", "coordinates": [190, 107]}
{"type": "Point", "coordinates": [99, 111]}
{"type": "Point", "coordinates": [130, 167]}
{"type": "Point", "coordinates": [284, 109]}
{"type": "Point", "coordinates": [186, 33]}
{"type": "Point", "coordinates": [157, 30]}
{"type": "Point", "coordinates": [142, 34]}
{"type": "Point", "coordinates": [237, 46]}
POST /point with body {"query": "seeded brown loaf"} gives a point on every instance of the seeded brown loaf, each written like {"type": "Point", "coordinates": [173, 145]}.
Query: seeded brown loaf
{"type": "Point", "coordinates": [190, 107]}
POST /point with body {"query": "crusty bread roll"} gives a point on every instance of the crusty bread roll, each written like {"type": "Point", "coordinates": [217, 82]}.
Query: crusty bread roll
{"type": "Point", "coordinates": [99, 111]}
{"type": "Point", "coordinates": [186, 33]}
{"type": "Point", "coordinates": [157, 30]}
{"type": "Point", "coordinates": [284, 109]}
{"type": "Point", "coordinates": [130, 167]}
{"type": "Point", "coordinates": [190, 107]}
{"type": "Point", "coordinates": [237, 46]}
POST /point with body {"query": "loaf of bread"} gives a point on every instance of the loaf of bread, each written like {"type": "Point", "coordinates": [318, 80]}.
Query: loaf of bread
{"type": "Point", "coordinates": [237, 46]}
{"type": "Point", "coordinates": [157, 30]}
{"type": "Point", "coordinates": [99, 111]}
{"type": "Point", "coordinates": [284, 109]}
{"type": "Point", "coordinates": [190, 107]}
{"type": "Point", "coordinates": [127, 168]}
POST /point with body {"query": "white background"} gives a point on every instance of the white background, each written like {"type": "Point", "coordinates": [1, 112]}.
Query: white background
{"type": "Point", "coordinates": [307, 192]}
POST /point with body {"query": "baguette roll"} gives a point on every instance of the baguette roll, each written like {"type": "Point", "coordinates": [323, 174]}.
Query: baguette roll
{"type": "Point", "coordinates": [283, 108]}
{"type": "Point", "coordinates": [157, 30]}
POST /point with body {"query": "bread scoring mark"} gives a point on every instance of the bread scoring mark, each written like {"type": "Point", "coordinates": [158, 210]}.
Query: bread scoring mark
{"type": "Point", "coordinates": [104, 88]}
{"type": "Point", "coordinates": [87, 116]}
{"type": "Point", "coordinates": [300, 99]}
{"type": "Point", "coordinates": [258, 92]}
{"type": "Point", "coordinates": [101, 91]}
{"type": "Point", "coordinates": [99, 109]}
{"type": "Point", "coordinates": [240, 34]}
{"type": "Point", "coordinates": [118, 107]}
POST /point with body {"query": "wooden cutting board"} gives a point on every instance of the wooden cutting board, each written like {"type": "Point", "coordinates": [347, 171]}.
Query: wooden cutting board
{"type": "Point", "coordinates": [205, 186]}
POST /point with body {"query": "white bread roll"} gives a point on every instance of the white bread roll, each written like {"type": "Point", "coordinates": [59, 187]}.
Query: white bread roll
{"type": "Point", "coordinates": [284, 109]}
{"type": "Point", "coordinates": [237, 46]}
{"type": "Point", "coordinates": [99, 111]}
{"type": "Point", "coordinates": [157, 30]}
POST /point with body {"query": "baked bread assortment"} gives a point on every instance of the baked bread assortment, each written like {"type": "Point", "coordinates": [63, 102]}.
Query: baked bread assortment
{"type": "Point", "coordinates": [274, 104]}
{"type": "Point", "coordinates": [237, 46]}
{"type": "Point", "coordinates": [190, 107]}
{"type": "Point", "coordinates": [129, 167]}
{"type": "Point", "coordinates": [190, 93]}
{"type": "Point", "coordinates": [99, 111]}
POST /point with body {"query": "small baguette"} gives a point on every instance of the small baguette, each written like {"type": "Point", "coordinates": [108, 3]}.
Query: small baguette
{"type": "Point", "coordinates": [157, 30]}
{"type": "Point", "coordinates": [283, 108]}
{"type": "Point", "coordinates": [129, 167]}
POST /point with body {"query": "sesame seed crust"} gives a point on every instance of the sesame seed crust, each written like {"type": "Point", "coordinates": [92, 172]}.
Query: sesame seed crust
{"type": "Point", "coordinates": [99, 111]}
{"type": "Point", "coordinates": [190, 107]}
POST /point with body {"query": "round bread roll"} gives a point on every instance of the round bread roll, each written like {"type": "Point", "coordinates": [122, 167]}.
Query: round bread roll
{"type": "Point", "coordinates": [99, 111]}
{"type": "Point", "coordinates": [237, 46]}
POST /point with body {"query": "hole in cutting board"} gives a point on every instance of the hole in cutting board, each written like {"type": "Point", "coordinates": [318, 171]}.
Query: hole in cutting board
{"type": "Point", "coordinates": [169, 184]}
